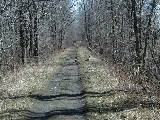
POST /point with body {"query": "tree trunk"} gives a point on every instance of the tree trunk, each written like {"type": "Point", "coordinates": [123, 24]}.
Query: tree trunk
{"type": "Point", "coordinates": [31, 36]}
{"type": "Point", "coordinates": [35, 50]}
{"type": "Point", "coordinates": [22, 42]}
{"type": "Point", "coordinates": [148, 32]}
{"type": "Point", "coordinates": [137, 42]}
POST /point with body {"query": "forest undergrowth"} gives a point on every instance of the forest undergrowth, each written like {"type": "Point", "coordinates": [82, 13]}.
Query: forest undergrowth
{"type": "Point", "coordinates": [29, 80]}
{"type": "Point", "coordinates": [107, 94]}
{"type": "Point", "coordinates": [110, 96]}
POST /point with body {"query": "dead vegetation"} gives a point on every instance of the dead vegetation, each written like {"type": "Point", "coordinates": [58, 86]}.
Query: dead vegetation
{"type": "Point", "coordinates": [16, 87]}
{"type": "Point", "coordinates": [108, 96]}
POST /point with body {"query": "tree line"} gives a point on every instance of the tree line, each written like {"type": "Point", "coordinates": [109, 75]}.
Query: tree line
{"type": "Point", "coordinates": [30, 29]}
{"type": "Point", "coordinates": [128, 32]}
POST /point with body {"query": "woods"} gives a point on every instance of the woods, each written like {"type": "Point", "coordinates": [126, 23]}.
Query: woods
{"type": "Point", "coordinates": [126, 31]}
{"type": "Point", "coordinates": [30, 29]}
{"type": "Point", "coordinates": [79, 59]}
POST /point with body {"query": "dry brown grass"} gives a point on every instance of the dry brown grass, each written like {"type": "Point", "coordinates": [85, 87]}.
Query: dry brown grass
{"type": "Point", "coordinates": [28, 80]}
{"type": "Point", "coordinates": [111, 97]}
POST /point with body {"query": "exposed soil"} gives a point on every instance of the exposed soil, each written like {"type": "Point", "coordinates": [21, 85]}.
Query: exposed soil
{"type": "Point", "coordinates": [84, 88]}
{"type": "Point", "coordinates": [62, 99]}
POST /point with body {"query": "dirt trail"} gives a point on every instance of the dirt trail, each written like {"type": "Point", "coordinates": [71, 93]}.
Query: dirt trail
{"type": "Point", "coordinates": [88, 89]}
{"type": "Point", "coordinates": [62, 99]}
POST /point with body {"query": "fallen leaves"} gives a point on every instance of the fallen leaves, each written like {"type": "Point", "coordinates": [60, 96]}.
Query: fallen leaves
{"type": "Point", "coordinates": [120, 101]}
{"type": "Point", "coordinates": [28, 80]}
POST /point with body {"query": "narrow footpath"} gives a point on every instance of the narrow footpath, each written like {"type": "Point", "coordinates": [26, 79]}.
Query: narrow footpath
{"type": "Point", "coordinates": [62, 99]}
{"type": "Point", "coordinates": [78, 85]}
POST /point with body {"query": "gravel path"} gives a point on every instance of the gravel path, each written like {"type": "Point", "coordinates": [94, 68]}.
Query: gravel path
{"type": "Point", "coordinates": [62, 98]}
